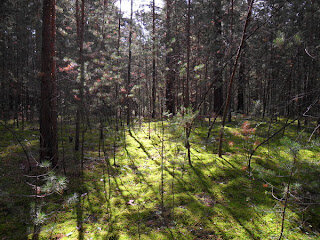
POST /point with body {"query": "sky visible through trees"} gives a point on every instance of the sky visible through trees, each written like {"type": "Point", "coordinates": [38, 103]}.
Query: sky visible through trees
{"type": "Point", "coordinates": [137, 5]}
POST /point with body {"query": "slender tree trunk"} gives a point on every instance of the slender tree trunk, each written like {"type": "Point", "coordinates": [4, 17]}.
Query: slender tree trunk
{"type": "Point", "coordinates": [226, 107]}
{"type": "Point", "coordinates": [162, 166]}
{"type": "Point", "coordinates": [80, 36]}
{"type": "Point", "coordinates": [218, 90]}
{"type": "Point", "coordinates": [129, 67]}
{"type": "Point", "coordinates": [119, 30]}
{"type": "Point", "coordinates": [62, 146]}
{"type": "Point", "coordinates": [241, 82]}
{"type": "Point", "coordinates": [287, 195]}
{"type": "Point", "coordinates": [186, 92]}
{"type": "Point", "coordinates": [187, 101]}
{"type": "Point", "coordinates": [118, 109]}
{"type": "Point", "coordinates": [154, 87]}
{"type": "Point", "coordinates": [242, 76]}
{"type": "Point", "coordinates": [170, 74]}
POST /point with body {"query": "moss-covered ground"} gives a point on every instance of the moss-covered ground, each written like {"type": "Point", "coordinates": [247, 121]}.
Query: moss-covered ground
{"type": "Point", "coordinates": [124, 195]}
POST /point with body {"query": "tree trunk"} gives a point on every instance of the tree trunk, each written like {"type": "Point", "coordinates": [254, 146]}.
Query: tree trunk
{"type": "Point", "coordinates": [226, 107]}
{"type": "Point", "coordinates": [154, 94]}
{"type": "Point", "coordinates": [48, 110]}
{"type": "Point", "coordinates": [170, 73]}
{"type": "Point", "coordinates": [241, 82]}
{"type": "Point", "coordinates": [80, 36]}
{"type": "Point", "coordinates": [218, 93]}
{"type": "Point", "coordinates": [129, 67]}
{"type": "Point", "coordinates": [186, 100]}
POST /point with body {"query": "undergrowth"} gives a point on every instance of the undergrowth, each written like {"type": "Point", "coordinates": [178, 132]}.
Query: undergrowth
{"type": "Point", "coordinates": [215, 198]}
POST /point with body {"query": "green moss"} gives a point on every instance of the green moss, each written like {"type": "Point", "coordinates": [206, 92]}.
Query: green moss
{"type": "Point", "coordinates": [215, 197]}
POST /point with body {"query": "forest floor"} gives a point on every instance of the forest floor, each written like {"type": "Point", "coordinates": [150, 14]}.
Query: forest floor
{"type": "Point", "coordinates": [142, 187]}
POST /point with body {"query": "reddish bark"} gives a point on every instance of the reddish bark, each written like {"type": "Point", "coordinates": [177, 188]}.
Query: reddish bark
{"type": "Point", "coordinates": [48, 110]}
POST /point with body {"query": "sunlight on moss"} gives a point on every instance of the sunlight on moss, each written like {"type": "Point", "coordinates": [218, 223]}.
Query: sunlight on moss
{"type": "Point", "coordinates": [214, 197]}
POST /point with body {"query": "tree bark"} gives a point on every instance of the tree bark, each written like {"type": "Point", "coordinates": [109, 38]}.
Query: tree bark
{"type": "Point", "coordinates": [129, 67]}
{"type": "Point", "coordinates": [218, 92]}
{"type": "Point", "coordinates": [48, 110]}
{"type": "Point", "coordinates": [170, 74]}
{"type": "Point", "coordinates": [154, 73]}
{"type": "Point", "coordinates": [80, 36]}
{"type": "Point", "coordinates": [186, 94]}
{"type": "Point", "coordinates": [226, 107]}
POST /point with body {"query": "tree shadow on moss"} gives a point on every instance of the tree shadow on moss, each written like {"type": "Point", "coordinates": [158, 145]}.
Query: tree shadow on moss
{"type": "Point", "coordinates": [15, 219]}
